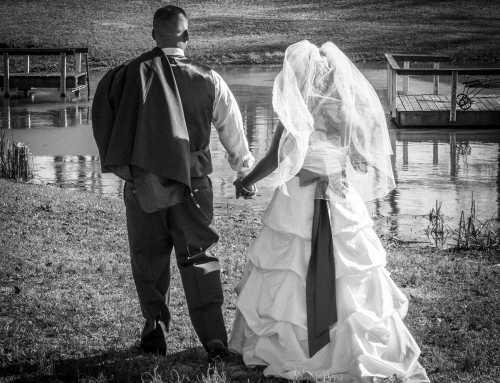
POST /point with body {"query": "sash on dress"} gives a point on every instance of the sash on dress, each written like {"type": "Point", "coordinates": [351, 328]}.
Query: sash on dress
{"type": "Point", "coordinates": [321, 299]}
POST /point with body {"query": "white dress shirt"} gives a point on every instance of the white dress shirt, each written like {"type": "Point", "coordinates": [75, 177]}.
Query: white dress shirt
{"type": "Point", "coordinates": [226, 118]}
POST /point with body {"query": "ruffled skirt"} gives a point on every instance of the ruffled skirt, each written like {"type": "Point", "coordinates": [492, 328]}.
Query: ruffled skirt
{"type": "Point", "coordinates": [369, 341]}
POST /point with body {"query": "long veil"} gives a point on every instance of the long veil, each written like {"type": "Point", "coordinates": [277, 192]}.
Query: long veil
{"type": "Point", "coordinates": [335, 126]}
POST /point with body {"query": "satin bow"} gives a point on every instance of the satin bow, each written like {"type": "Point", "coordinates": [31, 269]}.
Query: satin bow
{"type": "Point", "coordinates": [321, 300]}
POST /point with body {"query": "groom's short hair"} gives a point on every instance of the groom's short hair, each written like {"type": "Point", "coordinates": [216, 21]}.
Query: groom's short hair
{"type": "Point", "coordinates": [168, 20]}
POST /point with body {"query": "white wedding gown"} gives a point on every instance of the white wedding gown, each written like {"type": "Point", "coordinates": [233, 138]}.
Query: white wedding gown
{"type": "Point", "coordinates": [368, 343]}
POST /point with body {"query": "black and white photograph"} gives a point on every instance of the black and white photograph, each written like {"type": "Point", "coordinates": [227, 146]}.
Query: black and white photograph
{"type": "Point", "coordinates": [250, 191]}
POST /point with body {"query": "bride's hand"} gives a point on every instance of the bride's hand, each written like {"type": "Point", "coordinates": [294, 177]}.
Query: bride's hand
{"type": "Point", "coordinates": [359, 164]}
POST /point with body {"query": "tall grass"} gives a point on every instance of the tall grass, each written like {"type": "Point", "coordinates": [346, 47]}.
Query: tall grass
{"type": "Point", "coordinates": [14, 159]}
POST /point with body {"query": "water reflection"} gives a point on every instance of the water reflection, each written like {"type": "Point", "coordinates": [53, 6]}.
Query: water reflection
{"type": "Point", "coordinates": [429, 164]}
{"type": "Point", "coordinates": [26, 114]}
{"type": "Point", "coordinates": [77, 172]}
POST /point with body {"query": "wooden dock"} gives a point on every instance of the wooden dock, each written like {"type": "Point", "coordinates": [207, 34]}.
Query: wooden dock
{"type": "Point", "coordinates": [434, 110]}
{"type": "Point", "coordinates": [437, 109]}
{"type": "Point", "coordinates": [63, 80]}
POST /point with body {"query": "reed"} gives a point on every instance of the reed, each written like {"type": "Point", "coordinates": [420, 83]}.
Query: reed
{"type": "Point", "coordinates": [436, 219]}
{"type": "Point", "coordinates": [14, 159]}
{"type": "Point", "coordinates": [436, 227]}
{"type": "Point", "coordinates": [471, 233]}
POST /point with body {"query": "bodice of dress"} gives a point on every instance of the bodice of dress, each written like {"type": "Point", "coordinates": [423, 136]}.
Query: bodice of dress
{"type": "Point", "coordinates": [326, 160]}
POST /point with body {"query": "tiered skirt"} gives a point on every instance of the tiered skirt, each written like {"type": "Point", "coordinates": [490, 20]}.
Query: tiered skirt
{"type": "Point", "coordinates": [368, 343]}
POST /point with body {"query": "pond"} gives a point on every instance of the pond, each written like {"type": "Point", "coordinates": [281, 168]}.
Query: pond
{"type": "Point", "coordinates": [448, 166]}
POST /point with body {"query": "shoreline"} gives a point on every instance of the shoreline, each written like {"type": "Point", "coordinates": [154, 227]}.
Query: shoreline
{"type": "Point", "coordinates": [255, 60]}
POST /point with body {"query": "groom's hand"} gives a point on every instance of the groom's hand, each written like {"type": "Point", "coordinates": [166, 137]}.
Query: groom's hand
{"type": "Point", "coordinates": [240, 191]}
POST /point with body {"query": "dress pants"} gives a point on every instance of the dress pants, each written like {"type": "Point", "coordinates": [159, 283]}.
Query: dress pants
{"type": "Point", "coordinates": [186, 228]}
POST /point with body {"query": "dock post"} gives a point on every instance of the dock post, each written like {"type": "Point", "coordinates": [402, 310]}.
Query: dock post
{"type": "Point", "coordinates": [63, 74]}
{"type": "Point", "coordinates": [6, 74]}
{"type": "Point", "coordinates": [389, 86]}
{"type": "Point", "coordinates": [436, 79]}
{"type": "Point", "coordinates": [26, 64]}
{"type": "Point", "coordinates": [88, 75]}
{"type": "Point", "coordinates": [78, 62]}
{"type": "Point", "coordinates": [26, 70]}
{"type": "Point", "coordinates": [394, 92]}
{"type": "Point", "coordinates": [406, 78]}
{"type": "Point", "coordinates": [6, 114]}
{"type": "Point", "coordinates": [453, 98]}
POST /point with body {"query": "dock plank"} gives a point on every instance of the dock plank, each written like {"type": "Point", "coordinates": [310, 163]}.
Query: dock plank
{"type": "Point", "coordinates": [480, 105]}
{"type": "Point", "coordinates": [445, 100]}
{"type": "Point", "coordinates": [422, 102]}
{"type": "Point", "coordinates": [426, 98]}
{"type": "Point", "coordinates": [414, 103]}
{"type": "Point", "coordinates": [484, 101]}
{"type": "Point", "coordinates": [406, 102]}
{"type": "Point", "coordinates": [473, 107]}
{"type": "Point", "coordinates": [399, 104]}
{"type": "Point", "coordinates": [440, 105]}
{"type": "Point", "coordinates": [495, 104]}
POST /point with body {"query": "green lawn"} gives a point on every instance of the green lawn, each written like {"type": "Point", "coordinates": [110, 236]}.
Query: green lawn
{"type": "Point", "coordinates": [75, 314]}
{"type": "Point", "coordinates": [258, 31]}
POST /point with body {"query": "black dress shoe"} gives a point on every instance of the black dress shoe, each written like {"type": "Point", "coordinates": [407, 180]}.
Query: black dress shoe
{"type": "Point", "coordinates": [150, 349]}
{"type": "Point", "coordinates": [217, 351]}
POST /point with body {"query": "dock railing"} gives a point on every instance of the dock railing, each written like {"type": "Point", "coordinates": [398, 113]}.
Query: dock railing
{"type": "Point", "coordinates": [394, 70]}
{"type": "Point", "coordinates": [62, 52]}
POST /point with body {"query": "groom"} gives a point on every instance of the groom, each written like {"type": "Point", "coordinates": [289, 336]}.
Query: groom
{"type": "Point", "coordinates": [152, 119]}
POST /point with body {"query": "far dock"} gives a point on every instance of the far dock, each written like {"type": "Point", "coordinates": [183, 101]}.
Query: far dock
{"type": "Point", "coordinates": [64, 81]}
{"type": "Point", "coordinates": [446, 110]}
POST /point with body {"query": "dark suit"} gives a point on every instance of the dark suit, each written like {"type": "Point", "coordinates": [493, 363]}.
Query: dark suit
{"type": "Point", "coordinates": [152, 121]}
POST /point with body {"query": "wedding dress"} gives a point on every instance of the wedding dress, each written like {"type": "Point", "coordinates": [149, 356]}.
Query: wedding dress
{"type": "Point", "coordinates": [328, 133]}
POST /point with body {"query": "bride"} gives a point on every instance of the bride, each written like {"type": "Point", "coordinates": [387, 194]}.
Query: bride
{"type": "Point", "coordinates": [315, 301]}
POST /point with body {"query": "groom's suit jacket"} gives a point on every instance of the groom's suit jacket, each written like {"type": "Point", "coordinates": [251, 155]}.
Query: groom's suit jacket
{"type": "Point", "coordinates": [152, 119]}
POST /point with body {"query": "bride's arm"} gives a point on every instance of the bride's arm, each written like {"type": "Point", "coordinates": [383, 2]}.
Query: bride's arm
{"type": "Point", "coordinates": [267, 164]}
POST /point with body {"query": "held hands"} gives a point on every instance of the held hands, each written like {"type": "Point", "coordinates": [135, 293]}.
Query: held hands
{"type": "Point", "coordinates": [243, 192]}
{"type": "Point", "coordinates": [359, 164]}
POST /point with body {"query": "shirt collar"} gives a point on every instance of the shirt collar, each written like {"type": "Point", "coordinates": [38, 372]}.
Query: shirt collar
{"type": "Point", "coordinates": [173, 51]}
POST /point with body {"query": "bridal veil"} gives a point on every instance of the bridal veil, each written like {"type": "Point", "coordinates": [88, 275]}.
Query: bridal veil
{"type": "Point", "coordinates": [335, 125]}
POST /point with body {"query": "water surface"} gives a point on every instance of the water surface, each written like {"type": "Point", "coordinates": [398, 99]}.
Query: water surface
{"type": "Point", "coordinates": [451, 166]}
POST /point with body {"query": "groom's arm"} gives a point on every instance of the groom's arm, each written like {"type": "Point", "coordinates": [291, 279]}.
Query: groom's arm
{"type": "Point", "coordinates": [229, 125]}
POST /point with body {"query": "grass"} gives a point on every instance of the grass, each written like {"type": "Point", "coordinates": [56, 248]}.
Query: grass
{"type": "Point", "coordinates": [69, 312]}
{"type": "Point", "coordinates": [225, 32]}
